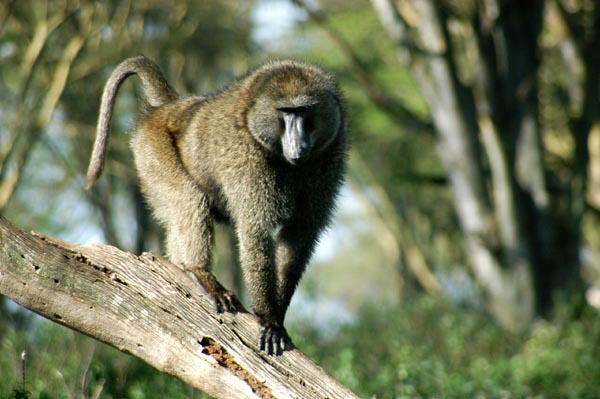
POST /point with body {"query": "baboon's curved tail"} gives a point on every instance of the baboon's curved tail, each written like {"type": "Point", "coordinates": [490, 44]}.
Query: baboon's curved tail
{"type": "Point", "coordinates": [156, 91]}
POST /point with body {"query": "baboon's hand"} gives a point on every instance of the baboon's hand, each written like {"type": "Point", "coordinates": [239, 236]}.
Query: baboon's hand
{"type": "Point", "coordinates": [224, 300]}
{"type": "Point", "coordinates": [274, 339]}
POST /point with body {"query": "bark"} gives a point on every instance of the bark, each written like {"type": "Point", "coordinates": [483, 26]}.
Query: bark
{"type": "Point", "coordinates": [149, 308]}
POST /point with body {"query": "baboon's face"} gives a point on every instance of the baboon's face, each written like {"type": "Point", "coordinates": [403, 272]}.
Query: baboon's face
{"type": "Point", "coordinates": [296, 112]}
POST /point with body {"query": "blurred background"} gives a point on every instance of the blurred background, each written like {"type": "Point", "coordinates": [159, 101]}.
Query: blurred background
{"type": "Point", "coordinates": [464, 260]}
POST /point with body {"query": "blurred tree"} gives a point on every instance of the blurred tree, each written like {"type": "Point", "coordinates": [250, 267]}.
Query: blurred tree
{"type": "Point", "coordinates": [512, 92]}
{"type": "Point", "coordinates": [478, 66]}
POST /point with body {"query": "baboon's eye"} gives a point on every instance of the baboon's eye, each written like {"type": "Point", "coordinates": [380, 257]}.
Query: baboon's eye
{"type": "Point", "coordinates": [300, 110]}
{"type": "Point", "coordinates": [309, 123]}
{"type": "Point", "coordinates": [306, 113]}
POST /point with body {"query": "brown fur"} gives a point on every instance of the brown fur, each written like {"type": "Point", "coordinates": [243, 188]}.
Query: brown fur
{"type": "Point", "coordinates": [229, 157]}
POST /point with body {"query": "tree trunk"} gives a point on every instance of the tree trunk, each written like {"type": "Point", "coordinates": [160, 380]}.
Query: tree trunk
{"type": "Point", "coordinates": [496, 250]}
{"type": "Point", "coordinates": [523, 243]}
{"type": "Point", "coordinates": [148, 307]}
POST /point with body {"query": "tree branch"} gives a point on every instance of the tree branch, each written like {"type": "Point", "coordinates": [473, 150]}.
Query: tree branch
{"type": "Point", "coordinates": [148, 307]}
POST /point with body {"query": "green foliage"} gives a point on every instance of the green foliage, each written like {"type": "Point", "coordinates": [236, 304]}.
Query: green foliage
{"type": "Point", "coordinates": [20, 393]}
{"type": "Point", "coordinates": [424, 349]}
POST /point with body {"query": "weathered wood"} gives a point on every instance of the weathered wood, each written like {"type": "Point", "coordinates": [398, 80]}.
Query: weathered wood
{"type": "Point", "coordinates": [148, 307]}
